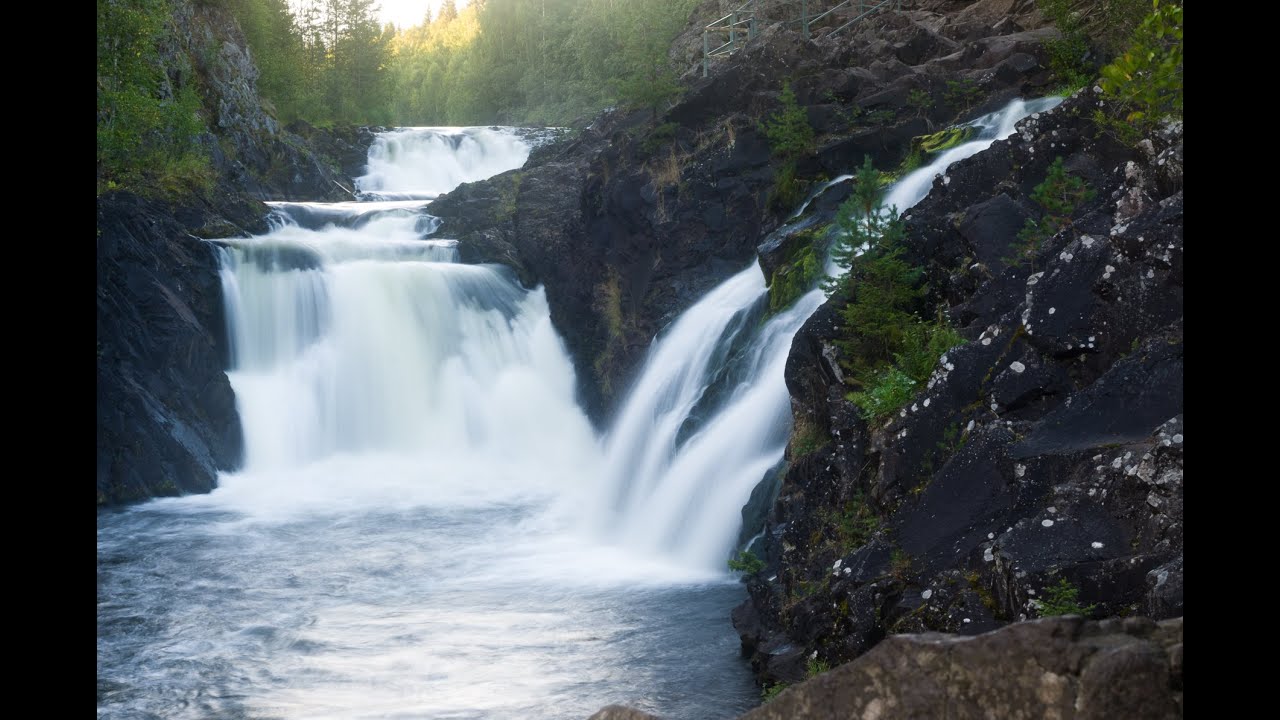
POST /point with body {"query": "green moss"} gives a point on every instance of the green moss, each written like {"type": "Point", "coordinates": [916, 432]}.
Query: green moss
{"type": "Point", "coordinates": [508, 196]}
{"type": "Point", "coordinates": [800, 273]}
{"type": "Point", "coordinates": [806, 437]}
{"type": "Point", "coordinates": [788, 188]}
{"type": "Point", "coordinates": [769, 692]}
{"type": "Point", "coordinates": [944, 139]}
{"type": "Point", "coordinates": [857, 524]}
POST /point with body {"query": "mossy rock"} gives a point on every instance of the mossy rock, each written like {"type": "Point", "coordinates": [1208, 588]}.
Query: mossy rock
{"type": "Point", "coordinates": [802, 269]}
{"type": "Point", "coordinates": [943, 139]}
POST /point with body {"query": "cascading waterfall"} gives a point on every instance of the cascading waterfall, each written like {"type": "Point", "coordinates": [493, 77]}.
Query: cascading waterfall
{"type": "Point", "coordinates": [417, 528]}
{"type": "Point", "coordinates": [681, 492]}
{"type": "Point", "coordinates": [402, 539]}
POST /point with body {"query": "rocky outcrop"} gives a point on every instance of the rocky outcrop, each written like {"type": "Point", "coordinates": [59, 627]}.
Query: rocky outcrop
{"type": "Point", "coordinates": [1046, 451]}
{"type": "Point", "coordinates": [630, 220]}
{"type": "Point", "coordinates": [1062, 667]}
{"type": "Point", "coordinates": [166, 414]}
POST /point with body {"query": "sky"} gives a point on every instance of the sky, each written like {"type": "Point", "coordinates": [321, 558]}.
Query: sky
{"type": "Point", "coordinates": [409, 12]}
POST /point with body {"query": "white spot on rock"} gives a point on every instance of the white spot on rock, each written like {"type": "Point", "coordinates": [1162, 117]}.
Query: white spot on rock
{"type": "Point", "coordinates": [927, 401]}
{"type": "Point", "coordinates": [1019, 470]}
{"type": "Point", "coordinates": [1017, 366]}
{"type": "Point", "coordinates": [926, 594]}
{"type": "Point", "coordinates": [1177, 438]}
{"type": "Point", "coordinates": [986, 341]}
{"type": "Point", "coordinates": [1053, 310]}
{"type": "Point", "coordinates": [1047, 522]}
{"type": "Point", "coordinates": [1096, 545]}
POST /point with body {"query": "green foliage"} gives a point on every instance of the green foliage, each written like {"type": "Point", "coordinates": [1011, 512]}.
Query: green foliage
{"type": "Point", "coordinates": [922, 345]}
{"type": "Point", "coordinates": [148, 123]}
{"type": "Point", "coordinates": [1059, 195]}
{"type": "Point", "coordinates": [856, 524]}
{"type": "Point", "coordinates": [746, 562]}
{"type": "Point", "coordinates": [920, 101]}
{"type": "Point", "coordinates": [961, 94]}
{"type": "Point", "coordinates": [788, 189]}
{"type": "Point", "coordinates": [790, 135]}
{"type": "Point", "coordinates": [899, 564]}
{"type": "Point", "coordinates": [1067, 54]}
{"type": "Point", "coordinates": [534, 61]}
{"type": "Point", "coordinates": [1062, 599]}
{"type": "Point", "coordinates": [769, 692]}
{"type": "Point", "coordinates": [1145, 81]}
{"type": "Point", "coordinates": [806, 437]}
{"type": "Point", "coordinates": [817, 667]}
{"type": "Point", "coordinates": [888, 351]}
{"type": "Point", "coordinates": [658, 137]}
{"type": "Point", "coordinates": [887, 390]}
{"type": "Point", "coordinates": [323, 61]}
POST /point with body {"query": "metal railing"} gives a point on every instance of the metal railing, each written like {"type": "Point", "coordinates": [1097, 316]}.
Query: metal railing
{"type": "Point", "coordinates": [739, 23]}
{"type": "Point", "coordinates": [865, 9]}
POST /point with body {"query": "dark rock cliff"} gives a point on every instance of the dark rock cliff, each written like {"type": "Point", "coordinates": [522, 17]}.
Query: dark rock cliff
{"type": "Point", "coordinates": [1047, 448]}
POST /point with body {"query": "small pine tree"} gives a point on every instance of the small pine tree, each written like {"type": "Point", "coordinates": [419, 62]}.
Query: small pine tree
{"type": "Point", "coordinates": [1059, 196]}
{"type": "Point", "coordinates": [789, 132]}
{"type": "Point", "coordinates": [882, 284]}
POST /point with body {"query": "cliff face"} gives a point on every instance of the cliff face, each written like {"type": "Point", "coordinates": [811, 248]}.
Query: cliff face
{"type": "Point", "coordinates": [1047, 448]}
{"type": "Point", "coordinates": [630, 220]}
{"type": "Point", "coordinates": [167, 419]}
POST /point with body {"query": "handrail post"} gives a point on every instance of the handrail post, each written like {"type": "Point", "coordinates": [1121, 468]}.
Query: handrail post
{"type": "Point", "coordinates": [733, 32]}
{"type": "Point", "coordinates": [706, 49]}
{"type": "Point", "coordinates": [804, 17]}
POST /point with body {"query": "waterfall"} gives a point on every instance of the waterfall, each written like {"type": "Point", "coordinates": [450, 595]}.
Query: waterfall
{"type": "Point", "coordinates": [710, 415]}
{"type": "Point", "coordinates": [357, 343]}
{"type": "Point", "coordinates": [422, 163]}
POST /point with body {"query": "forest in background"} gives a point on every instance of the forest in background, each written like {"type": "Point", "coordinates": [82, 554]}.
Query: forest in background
{"type": "Point", "coordinates": [537, 62]}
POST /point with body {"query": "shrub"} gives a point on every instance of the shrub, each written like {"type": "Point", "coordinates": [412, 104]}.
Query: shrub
{"type": "Point", "coordinates": [1061, 599]}
{"type": "Point", "coordinates": [790, 135]}
{"type": "Point", "coordinates": [746, 562]}
{"type": "Point", "coordinates": [1145, 81]}
{"type": "Point", "coordinates": [817, 667]}
{"type": "Point", "coordinates": [1059, 195]}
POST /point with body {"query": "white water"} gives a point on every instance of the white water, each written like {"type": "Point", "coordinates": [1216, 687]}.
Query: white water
{"type": "Point", "coordinates": [418, 163]}
{"type": "Point", "coordinates": [991, 127]}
